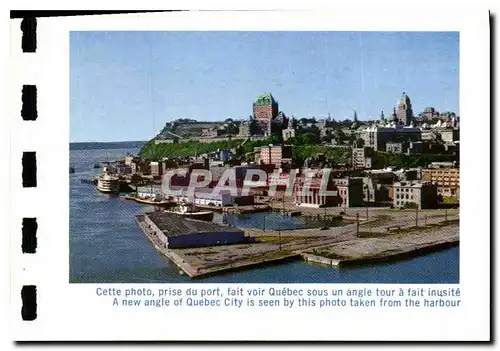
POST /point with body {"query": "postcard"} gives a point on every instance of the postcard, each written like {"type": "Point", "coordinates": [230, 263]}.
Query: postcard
{"type": "Point", "coordinates": [281, 175]}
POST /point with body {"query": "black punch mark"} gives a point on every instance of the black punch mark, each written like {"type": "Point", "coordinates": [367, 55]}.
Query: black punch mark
{"type": "Point", "coordinates": [29, 169]}
{"type": "Point", "coordinates": [28, 295]}
{"type": "Point", "coordinates": [28, 26]}
{"type": "Point", "coordinates": [29, 235]}
{"type": "Point", "coordinates": [29, 110]}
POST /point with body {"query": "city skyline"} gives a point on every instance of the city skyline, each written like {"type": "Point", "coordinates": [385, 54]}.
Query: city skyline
{"type": "Point", "coordinates": [127, 85]}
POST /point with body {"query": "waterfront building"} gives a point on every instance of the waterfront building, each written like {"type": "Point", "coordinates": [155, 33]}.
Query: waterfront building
{"type": "Point", "coordinates": [140, 166]}
{"type": "Point", "coordinates": [315, 197]}
{"type": "Point", "coordinates": [414, 193]}
{"type": "Point", "coordinates": [377, 187]}
{"type": "Point", "coordinates": [350, 191]}
{"type": "Point", "coordinates": [156, 169]}
{"type": "Point", "coordinates": [176, 232]}
{"type": "Point", "coordinates": [404, 112]}
{"type": "Point", "coordinates": [447, 180]}
{"type": "Point", "coordinates": [147, 191]}
{"type": "Point", "coordinates": [208, 197]}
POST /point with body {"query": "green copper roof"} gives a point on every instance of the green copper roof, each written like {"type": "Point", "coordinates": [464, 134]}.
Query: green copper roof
{"type": "Point", "coordinates": [265, 99]}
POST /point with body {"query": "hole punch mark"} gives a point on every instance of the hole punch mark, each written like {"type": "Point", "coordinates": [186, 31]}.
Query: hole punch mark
{"type": "Point", "coordinates": [29, 235]}
{"type": "Point", "coordinates": [29, 110]}
{"type": "Point", "coordinates": [28, 296]}
{"type": "Point", "coordinates": [29, 169]}
{"type": "Point", "coordinates": [28, 26]}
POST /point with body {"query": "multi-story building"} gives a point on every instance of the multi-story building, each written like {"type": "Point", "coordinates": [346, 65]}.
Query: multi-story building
{"type": "Point", "coordinates": [429, 113]}
{"type": "Point", "coordinates": [404, 112]}
{"type": "Point", "coordinates": [156, 169]}
{"type": "Point", "coordinates": [220, 155]}
{"type": "Point", "coordinates": [350, 191]}
{"type": "Point", "coordinates": [288, 133]}
{"type": "Point", "coordinates": [415, 194]}
{"type": "Point", "coordinates": [448, 135]}
{"type": "Point", "coordinates": [275, 154]}
{"type": "Point", "coordinates": [140, 166]}
{"type": "Point", "coordinates": [314, 196]}
{"type": "Point", "coordinates": [265, 109]}
{"type": "Point", "coordinates": [377, 186]}
{"type": "Point", "coordinates": [396, 147]}
{"type": "Point", "coordinates": [418, 147]}
{"type": "Point", "coordinates": [447, 180]}
{"type": "Point", "coordinates": [378, 137]}
{"type": "Point", "coordinates": [363, 157]}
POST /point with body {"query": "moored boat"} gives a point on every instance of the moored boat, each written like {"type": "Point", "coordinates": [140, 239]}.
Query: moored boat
{"type": "Point", "coordinates": [190, 211]}
{"type": "Point", "coordinates": [71, 169]}
{"type": "Point", "coordinates": [108, 182]}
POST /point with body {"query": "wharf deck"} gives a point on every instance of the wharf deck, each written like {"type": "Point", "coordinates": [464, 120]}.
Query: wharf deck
{"type": "Point", "coordinates": [386, 248]}
{"type": "Point", "coordinates": [337, 246]}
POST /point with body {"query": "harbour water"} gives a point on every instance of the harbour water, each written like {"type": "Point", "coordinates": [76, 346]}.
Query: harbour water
{"type": "Point", "coordinates": [107, 246]}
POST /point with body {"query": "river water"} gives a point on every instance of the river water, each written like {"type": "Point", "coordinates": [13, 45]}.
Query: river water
{"type": "Point", "coordinates": [107, 246]}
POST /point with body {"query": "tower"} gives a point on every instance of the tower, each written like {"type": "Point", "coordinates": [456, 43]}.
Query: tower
{"type": "Point", "coordinates": [405, 112]}
{"type": "Point", "coordinates": [265, 109]}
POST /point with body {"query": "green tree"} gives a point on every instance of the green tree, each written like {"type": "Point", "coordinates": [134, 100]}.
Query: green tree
{"type": "Point", "coordinates": [309, 139]}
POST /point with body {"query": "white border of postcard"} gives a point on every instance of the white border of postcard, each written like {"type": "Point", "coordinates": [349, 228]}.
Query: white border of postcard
{"type": "Point", "coordinates": [74, 312]}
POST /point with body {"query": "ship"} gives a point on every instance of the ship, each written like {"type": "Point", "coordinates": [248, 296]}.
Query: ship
{"type": "Point", "coordinates": [189, 210]}
{"type": "Point", "coordinates": [108, 181]}
{"type": "Point", "coordinates": [154, 200]}
{"type": "Point", "coordinates": [71, 169]}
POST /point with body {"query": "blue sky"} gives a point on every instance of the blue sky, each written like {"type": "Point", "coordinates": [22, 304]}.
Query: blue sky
{"type": "Point", "coordinates": [127, 85]}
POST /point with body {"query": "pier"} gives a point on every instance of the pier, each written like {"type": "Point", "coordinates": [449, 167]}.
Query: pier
{"type": "Point", "coordinates": [341, 246]}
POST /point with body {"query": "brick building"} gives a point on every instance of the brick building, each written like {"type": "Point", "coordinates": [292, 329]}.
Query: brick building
{"type": "Point", "coordinates": [275, 154]}
{"type": "Point", "coordinates": [447, 180]}
{"type": "Point", "coordinates": [265, 109]}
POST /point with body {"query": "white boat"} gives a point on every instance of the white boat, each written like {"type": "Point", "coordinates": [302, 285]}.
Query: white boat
{"type": "Point", "coordinates": [108, 182]}
{"type": "Point", "coordinates": [190, 211]}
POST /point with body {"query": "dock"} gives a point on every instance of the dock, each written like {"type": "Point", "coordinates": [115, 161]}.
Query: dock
{"type": "Point", "coordinates": [340, 246]}
{"type": "Point", "coordinates": [374, 250]}
{"type": "Point", "coordinates": [214, 258]}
